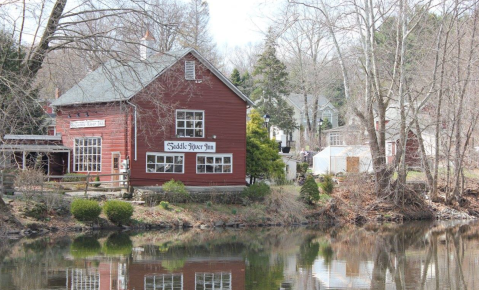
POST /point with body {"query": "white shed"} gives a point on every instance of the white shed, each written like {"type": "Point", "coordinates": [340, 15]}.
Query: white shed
{"type": "Point", "coordinates": [334, 159]}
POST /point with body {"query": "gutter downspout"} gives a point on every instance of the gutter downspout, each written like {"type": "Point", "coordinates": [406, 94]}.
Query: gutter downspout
{"type": "Point", "coordinates": [136, 146]}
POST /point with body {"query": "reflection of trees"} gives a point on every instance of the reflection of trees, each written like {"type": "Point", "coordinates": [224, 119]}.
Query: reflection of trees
{"type": "Point", "coordinates": [441, 245]}
{"type": "Point", "coordinates": [262, 272]}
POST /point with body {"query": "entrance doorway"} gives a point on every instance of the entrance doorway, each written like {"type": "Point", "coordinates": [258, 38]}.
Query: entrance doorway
{"type": "Point", "coordinates": [115, 167]}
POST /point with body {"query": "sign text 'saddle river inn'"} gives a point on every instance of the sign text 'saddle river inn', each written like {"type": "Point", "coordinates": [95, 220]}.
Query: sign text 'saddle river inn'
{"type": "Point", "coordinates": [187, 146]}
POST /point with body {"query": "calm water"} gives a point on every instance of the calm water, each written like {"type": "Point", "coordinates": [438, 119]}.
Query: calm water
{"type": "Point", "coordinates": [411, 256]}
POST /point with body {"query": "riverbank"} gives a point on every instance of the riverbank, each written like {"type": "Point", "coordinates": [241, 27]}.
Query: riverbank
{"type": "Point", "coordinates": [345, 206]}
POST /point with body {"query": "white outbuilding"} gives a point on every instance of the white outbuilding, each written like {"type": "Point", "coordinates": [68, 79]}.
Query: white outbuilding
{"type": "Point", "coordinates": [335, 159]}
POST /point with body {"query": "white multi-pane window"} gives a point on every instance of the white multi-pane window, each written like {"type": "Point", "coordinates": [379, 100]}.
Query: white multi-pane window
{"type": "Point", "coordinates": [164, 282]}
{"type": "Point", "coordinates": [190, 123]}
{"type": "Point", "coordinates": [335, 139]}
{"type": "Point", "coordinates": [214, 163]}
{"type": "Point", "coordinates": [327, 115]}
{"type": "Point", "coordinates": [165, 162]}
{"type": "Point", "coordinates": [87, 154]}
{"type": "Point", "coordinates": [213, 281]}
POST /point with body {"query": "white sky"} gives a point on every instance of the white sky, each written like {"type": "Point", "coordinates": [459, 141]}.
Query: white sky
{"type": "Point", "coordinates": [237, 22]}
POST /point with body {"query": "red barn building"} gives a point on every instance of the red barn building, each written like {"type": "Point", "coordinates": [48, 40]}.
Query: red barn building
{"type": "Point", "coordinates": [170, 116]}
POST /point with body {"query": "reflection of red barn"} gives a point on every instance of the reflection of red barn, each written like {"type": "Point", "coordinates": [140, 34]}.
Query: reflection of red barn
{"type": "Point", "coordinates": [107, 276]}
{"type": "Point", "coordinates": [193, 275]}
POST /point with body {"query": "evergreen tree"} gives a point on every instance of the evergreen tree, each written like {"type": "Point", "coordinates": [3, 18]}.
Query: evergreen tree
{"type": "Point", "coordinates": [21, 111]}
{"type": "Point", "coordinates": [309, 191]}
{"type": "Point", "coordinates": [271, 87]}
{"type": "Point", "coordinates": [262, 157]}
{"type": "Point", "coordinates": [326, 124]}
{"type": "Point", "coordinates": [236, 78]}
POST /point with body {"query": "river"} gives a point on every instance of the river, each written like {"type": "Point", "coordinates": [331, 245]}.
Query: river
{"type": "Point", "coordinates": [426, 255]}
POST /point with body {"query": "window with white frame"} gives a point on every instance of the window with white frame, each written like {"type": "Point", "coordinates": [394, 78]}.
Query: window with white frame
{"type": "Point", "coordinates": [164, 282]}
{"type": "Point", "coordinates": [87, 154]}
{"type": "Point", "coordinates": [216, 281]}
{"type": "Point", "coordinates": [165, 162]}
{"type": "Point", "coordinates": [190, 123]}
{"type": "Point", "coordinates": [214, 163]}
{"type": "Point", "coordinates": [335, 139]}
{"type": "Point", "coordinates": [327, 115]}
{"type": "Point", "coordinates": [190, 74]}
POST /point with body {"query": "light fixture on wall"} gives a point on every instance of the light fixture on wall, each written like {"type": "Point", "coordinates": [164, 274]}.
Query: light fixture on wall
{"type": "Point", "coordinates": [69, 116]}
{"type": "Point", "coordinates": [86, 114]}
{"type": "Point", "coordinates": [78, 114]}
{"type": "Point", "coordinates": [213, 137]}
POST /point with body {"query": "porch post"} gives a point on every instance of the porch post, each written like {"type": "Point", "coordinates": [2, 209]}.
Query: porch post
{"type": "Point", "coordinates": [68, 170]}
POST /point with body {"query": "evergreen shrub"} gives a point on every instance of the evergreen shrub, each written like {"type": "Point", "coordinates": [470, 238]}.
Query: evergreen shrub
{"type": "Point", "coordinates": [85, 210]}
{"type": "Point", "coordinates": [117, 211]}
{"type": "Point", "coordinates": [176, 191]}
{"type": "Point", "coordinates": [256, 192]}
{"type": "Point", "coordinates": [327, 186]}
{"type": "Point", "coordinates": [309, 191]}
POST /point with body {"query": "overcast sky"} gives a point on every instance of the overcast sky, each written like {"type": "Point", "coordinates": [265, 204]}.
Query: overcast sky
{"type": "Point", "coordinates": [237, 22]}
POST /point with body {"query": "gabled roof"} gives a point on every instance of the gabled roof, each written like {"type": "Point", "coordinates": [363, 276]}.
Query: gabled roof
{"type": "Point", "coordinates": [115, 81]}
{"type": "Point", "coordinates": [297, 100]}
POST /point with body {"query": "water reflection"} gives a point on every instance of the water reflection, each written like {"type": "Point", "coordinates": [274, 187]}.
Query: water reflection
{"type": "Point", "coordinates": [412, 256]}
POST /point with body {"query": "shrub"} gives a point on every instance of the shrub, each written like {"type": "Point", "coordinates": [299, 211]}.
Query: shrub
{"type": "Point", "coordinates": [327, 185]}
{"type": "Point", "coordinates": [309, 191]}
{"type": "Point", "coordinates": [118, 212]}
{"type": "Point", "coordinates": [38, 211]}
{"type": "Point", "coordinates": [85, 210]}
{"type": "Point", "coordinates": [74, 177]}
{"type": "Point", "coordinates": [256, 192]}
{"type": "Point", "coordinates": [29, 182]}
{"type": "Point", "coordinates": [176, 191]}
{"type": "Point", "coordinates": [96, 182]}
{"type": "Point", "coordinates": [209, 204]}
{"type": "Point", "coordinates": [164, 204]}
{"type": "Point", "coordinates": [301, 168]}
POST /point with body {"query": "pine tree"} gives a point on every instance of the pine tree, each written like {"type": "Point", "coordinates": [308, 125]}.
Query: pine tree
{"type": "Point", "coordinates": [326, 124]}
{"type": "Point", "coordinates": [236, 78]}
{"type": "Point", "coordinates": [272, 86]}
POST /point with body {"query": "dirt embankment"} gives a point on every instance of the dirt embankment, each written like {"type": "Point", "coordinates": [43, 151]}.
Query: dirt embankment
{"type": "Point", "coordinates": [347, 205]}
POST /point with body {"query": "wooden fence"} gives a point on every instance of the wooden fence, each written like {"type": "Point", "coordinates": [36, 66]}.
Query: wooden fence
{"type": "Point", "coordinates": [62, 183]}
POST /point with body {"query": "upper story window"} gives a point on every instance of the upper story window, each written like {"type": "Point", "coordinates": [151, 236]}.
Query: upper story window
{"type": "Point", "coordinates": [87, 154]}
{"type": "Point", "coordinates": [190, 70]}
{"type": "Point", "coordinates": [190, 123]}
{"type": "Point", "coordinates": [327, 115]}
{"type": "Point", "coordinates": [335, 139]}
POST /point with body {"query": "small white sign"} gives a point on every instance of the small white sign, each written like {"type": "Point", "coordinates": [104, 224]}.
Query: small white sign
{"type": "Point", "coordinates": [189, 146]}
{"type": "Point", "coordinates": [87, 124]}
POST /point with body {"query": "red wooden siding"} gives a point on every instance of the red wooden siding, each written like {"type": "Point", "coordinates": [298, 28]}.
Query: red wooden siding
{"type": "Point", "coordinates": [224, 116]}
{"type": "Point", "coordinates": [138, 271]}
{"type": "Point", "coordinates": [114, 135]}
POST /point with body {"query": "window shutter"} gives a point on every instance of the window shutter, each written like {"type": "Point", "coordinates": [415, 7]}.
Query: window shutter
{"type": "Point", "coordinates": [190, 70]}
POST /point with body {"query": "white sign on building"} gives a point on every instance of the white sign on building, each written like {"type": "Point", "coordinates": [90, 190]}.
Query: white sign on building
{"type": "Point", "coordinates": [87, 124]}
{"type": "Point", "coordinates": [189, 146]}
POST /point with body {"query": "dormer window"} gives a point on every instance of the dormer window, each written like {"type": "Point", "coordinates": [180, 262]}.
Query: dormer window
{"type": "Point", "coordinates": [190, 70]}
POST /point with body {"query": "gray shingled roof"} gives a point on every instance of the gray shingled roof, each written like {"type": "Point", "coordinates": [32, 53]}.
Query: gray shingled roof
{"type": "Point", "coordinates": [115, 81]}
{"type": "Point", "coordinates": [298, 101]}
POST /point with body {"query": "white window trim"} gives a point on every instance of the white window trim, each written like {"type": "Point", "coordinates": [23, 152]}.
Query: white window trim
{"type": "Point", "coordinates": [214, 155]}
{"type": "Point", "coordinates": [194, 111]}
{"type": "Point", "coordinates": [162, 282]}
{"type": "Point", "coordinates": [337, 137]}
{"type": "Point", "coordinates": [164, 154]}
{"type": "Point", "coordinates": [213, 274]}
{"type": "Point", "coordinates": [75, 154]}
